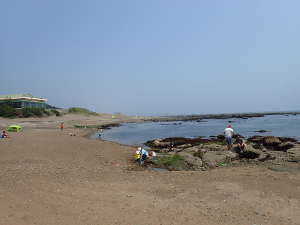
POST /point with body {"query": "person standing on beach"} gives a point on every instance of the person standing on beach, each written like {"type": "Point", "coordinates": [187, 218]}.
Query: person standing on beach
{"type": "Point", "coordinates": [229, 132]}
{"type": "Point", "coordinates": [61, 126]}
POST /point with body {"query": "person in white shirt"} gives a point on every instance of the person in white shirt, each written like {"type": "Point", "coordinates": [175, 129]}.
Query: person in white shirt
{"type": "Point", "coordinates": [229, 132]}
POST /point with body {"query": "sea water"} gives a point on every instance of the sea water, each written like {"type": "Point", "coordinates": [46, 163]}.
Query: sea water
{"type": "Point", "coordinates": [139, 133]}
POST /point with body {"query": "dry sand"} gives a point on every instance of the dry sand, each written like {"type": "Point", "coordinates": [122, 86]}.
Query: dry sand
{"type": "Point", "coordinates": [50, 177]}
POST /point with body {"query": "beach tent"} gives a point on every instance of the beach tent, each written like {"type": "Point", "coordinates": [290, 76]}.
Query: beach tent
{"type": "Point", "coordinates": [15, 128]}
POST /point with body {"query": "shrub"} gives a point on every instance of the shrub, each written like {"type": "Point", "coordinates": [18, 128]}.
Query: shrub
{"type": "Point", "coordinates": [171, 162]}
{"type": "Point", "coordinates": [47, 112]}
{"type": "Point", "coordinates": [34, 111]}
{"type": "Point", "coordinates": [8, 111]}
{"type": "Point", "coordinates": [78, 110]}
{"type": "Point", "coordinates": [57, 113]}
{"type": "Point", "coordinates": [37, 111]}
{"type": "Point", "coordinates": [26, 112]}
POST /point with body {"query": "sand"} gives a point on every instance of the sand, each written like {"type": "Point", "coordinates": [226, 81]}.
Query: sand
{"type": "Point", "coordinates": [50, 177]}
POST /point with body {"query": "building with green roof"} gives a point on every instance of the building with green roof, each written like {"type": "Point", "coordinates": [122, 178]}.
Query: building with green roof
{"type": "Point", "coordinates": [22, 101]}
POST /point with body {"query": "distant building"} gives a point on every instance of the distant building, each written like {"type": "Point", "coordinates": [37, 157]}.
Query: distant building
{"type": "Point", "coordinates": [22, 101]}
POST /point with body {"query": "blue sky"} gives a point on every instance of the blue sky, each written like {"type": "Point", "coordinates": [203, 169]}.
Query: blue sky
{"type": "Point", "coordinates": [153, 57]}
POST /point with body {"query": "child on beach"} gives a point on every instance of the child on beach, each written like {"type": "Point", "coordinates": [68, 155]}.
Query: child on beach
{"type": "Point", "coordinates": [61, 126]}
{"type": "Point", "coordinates": [4, 134]}
{"type": "Point", "coordinates": [141, 155]}
{"type": "Point", "coordinates": [152, 155]}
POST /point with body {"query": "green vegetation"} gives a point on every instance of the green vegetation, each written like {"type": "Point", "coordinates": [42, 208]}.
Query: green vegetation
{"type": "Point", "coordinates": [171, 162]}
{"type": "Point", "coordinates": [10, 112]}
{"type": "Point", "coordinates": [31, 112]}
{"type": "Point", "coordinates": [222, 164]}
{"type": "Point", "coordinates": [78, 110]}
{"type": "Point", "coordinates": [54, 111]}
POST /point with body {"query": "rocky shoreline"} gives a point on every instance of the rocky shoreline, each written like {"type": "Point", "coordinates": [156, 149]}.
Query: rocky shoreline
{"type": "Point", "coordinates": [201, 117]}
{"type": "Point", "coordinates": [180, 153]}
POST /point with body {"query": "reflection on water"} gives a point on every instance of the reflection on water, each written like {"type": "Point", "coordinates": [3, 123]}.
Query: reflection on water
{"type": "Point", "coordinates": [139, 133]}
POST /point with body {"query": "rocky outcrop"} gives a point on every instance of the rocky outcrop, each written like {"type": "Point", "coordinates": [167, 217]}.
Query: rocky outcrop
{"type": "Point", "coordinates": [192, 149]}
{"type": "Point", "coordinates": [177, 141]}
{"type": "Point", "coordinates": [249, 153]}
{"type": "Point", "coordinates": [192, 162]}
{"type": "Point", "coordinates": [272, 143]}
{"type": "Point", "coordinates": [200, 153]}
{"type": "Point", "coordinates": [285, 146]}
{"type": "Point", "coordinates": [212, 159]}
{"type": "Point", "coordinates": [294, 154]}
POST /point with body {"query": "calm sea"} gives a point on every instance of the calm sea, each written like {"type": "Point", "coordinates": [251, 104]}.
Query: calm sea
{"type": "Point", "coordinates": [139, 133]}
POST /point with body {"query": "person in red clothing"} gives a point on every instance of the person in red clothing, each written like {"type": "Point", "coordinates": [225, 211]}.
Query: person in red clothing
{"type": "Point", "coordinates": [4, 134]}
{"type": "Point", "coordinates": [61, 126]}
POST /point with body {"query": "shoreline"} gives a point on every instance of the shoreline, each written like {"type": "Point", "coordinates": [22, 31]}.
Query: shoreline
{"type": "Point", "coordinates": [217, 116]}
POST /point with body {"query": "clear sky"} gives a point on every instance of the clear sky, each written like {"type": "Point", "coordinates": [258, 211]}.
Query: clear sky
{"type": "Point", "coordinates": [153, 56]}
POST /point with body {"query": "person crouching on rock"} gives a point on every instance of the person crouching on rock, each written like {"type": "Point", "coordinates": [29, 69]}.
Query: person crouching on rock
{"type": "Point", "coordinates": [241, 144]}
{"type": "Point", "coordinates": [229, 132]}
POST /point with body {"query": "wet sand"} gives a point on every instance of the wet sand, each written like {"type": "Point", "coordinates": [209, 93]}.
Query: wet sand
{"type": "Point", "coordinates": [50, 177]}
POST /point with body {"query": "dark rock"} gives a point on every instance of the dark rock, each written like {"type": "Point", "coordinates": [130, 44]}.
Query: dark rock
{"type": "Point", "coordinates": [201, 121]}
{"type": "Point", "coordinates": [249, 154]}
{"type": "Point", "coordinates": [285, 146]}
{"type": "Point", "coordinates": [166, 124]}
{"type": "Point", "coordinates": [238, 136]}
{"type": "Point", "coordinates": [271, 141]}
{"type": "Point", "coordinates": [109, 126]}
{"type": "Point", "coordinates": [254, 154]}
{"type": "Point", "coordinates": [176, 141]}
{"type": "Point", "coordinates": [262, 131]}
{"type": "Point", "coordinates": [288, 139]}
{"type": "Point", "coordinates": [256, 139]}
{"type": "Point", "coordinates": [158, 143]}
{"type": "Point", "coordinates": [176, 123]}
{"type": "Point", "coordinates": [221, 137]}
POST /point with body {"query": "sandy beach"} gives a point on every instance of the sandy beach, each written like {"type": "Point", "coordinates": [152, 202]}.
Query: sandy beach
{"type": "Point", "coordinates": [50, 177]}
